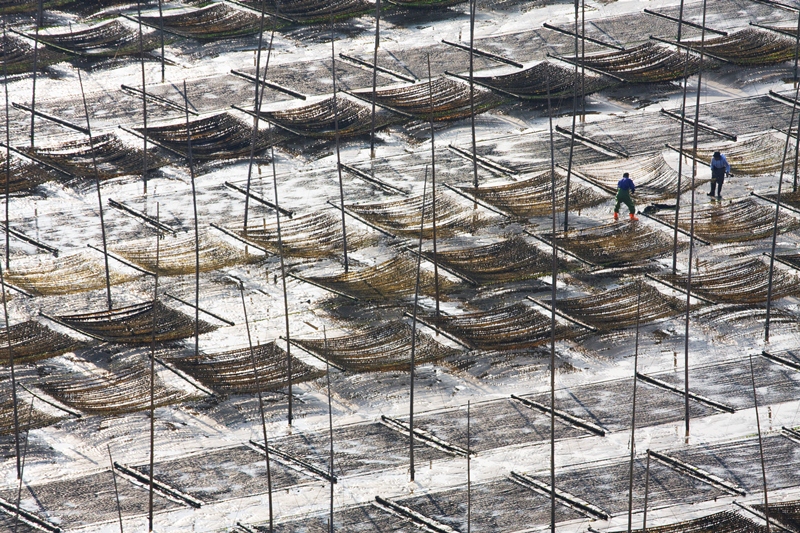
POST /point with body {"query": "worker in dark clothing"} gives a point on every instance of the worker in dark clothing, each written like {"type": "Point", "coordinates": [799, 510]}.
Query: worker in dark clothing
{"type": "Point", "coordinates": [625, 188]}
{"type": "Point", "coordinates": [719, 169]}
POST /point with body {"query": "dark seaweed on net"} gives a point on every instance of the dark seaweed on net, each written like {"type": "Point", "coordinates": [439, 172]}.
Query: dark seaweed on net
{"type": "Point", "coordinates": [542, 79]}
{"type": "Point", "coordinates": [646, 63]}
{"type": "Point", "coordinates": [108, 39]}
{"type": "Point", "coordinates": [216, 21]}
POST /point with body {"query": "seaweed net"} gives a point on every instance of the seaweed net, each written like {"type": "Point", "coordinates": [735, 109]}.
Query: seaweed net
{"type": "Point", "coordinates": [176, 255]}
{"type": "Point", "coordinates": [513, 327]}
{"type": "Point", "coordinates": [394, 278]}
{"type": "Point", "coordinates": [501, 262]}
{"type": "Point", "coordinates": [232, 371]}
{"type": "Point", "coordinates": [446, 99]}
{"type": "Point", "coordinates": [737, 221]}
{"type": "Point", "coordinates": [403, 217]}
{"type": "Point", "coordinates": [32, 341]}
{"type": "Point", "coordinates": [426, 4]}
{"type": "Point", "coordinates": [646, 63]}
{"type": "Point", "coordinates": [46, 275]}
{"type": "Point", "coordinates": [318, 120]}
{"type": "Point", "coordinates": [616, 308]}
{"type": "Point", "coordinates": [24, 176]}
{"type": "Point", "coordinates": [542, 79]}
{"type": "Point", "coordinates": [616, 244]}
{"type": "Point", "coordinates": [109, 39]}
{"type": "Point", "coordinates": [309, 236]}
{"type": "Point", "coordinates": [654, 178]}
{"type": "Point", "coordinates": [382, 348]}
{"type": "Point", "coordinates": [17, 56]}
{"type": "Point", "coordinates": [28, 418]}
{"type": "Point", "coordinates": [28, 6]}
{"type": "Point", "coordinates": [724, 522]}
{"type": "Point", "coordinates": [221, 136]}
{"type": "Point", "coordinates": [739, 281]}
{"type": "Point", "coordinates": [216, 21]}
{"type": "Point", "coordinates": [790, 198]}
{"type": "Point", "coordinates": [113, 158]}
{"type": "Point", "coordinates": [123, 387]}
{"type": "Point", "coordinates": [314, 11]}
{"type": "Point", "coordinates": [792, 259]}
{"type": "Point", "coordinates": [133, 324]}
{"type": "Point", "coordinates": [758, 155]}
{"type": "Point", "coordinates": [750, 47]}
{"type": "Point", "coordinates": [787, 513]}
{"type": "Point", "coordinates": [533, 196]}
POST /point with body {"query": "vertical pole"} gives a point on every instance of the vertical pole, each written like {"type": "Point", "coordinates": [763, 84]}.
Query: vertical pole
{"type": "Point", "coordinates": [414, 333]}
{"type": "Point", "coordinates": [14, 399]}
{"type": "Point", "coordinates": [338, 153]}
{"type": "Point", "coordinates": [161, 31]}
{"type": "Point", "coordinates": [760, 444]}
{"type": "Point", "coordinates": [680, 21]}
{"type": "Point", "coordinates": [99, 196]}
{"type": "Point", "coordinates": [375, 75]}
{"type": "Point", "coordinates": [583, 60]}
{"type": "Point", "coordinates": [256, 112]}
{"type": "Point", "coordinates": [153, 378]}
{"type": "Point", "coordinates": [433, 189]}
{"type": "Point", "coordinates": [680, 166]}
{"type": "Point", "coordinates": [257, 383]}
{"type": "Point", "coordinates": [777, 218]}
{"type": "Point", "coordinates": [22, 469]}
{"type": "Point", "coordinates": [472, 8]}
{"type": "Point", "coordinates": [469, 475]}
{"type": "Point", "coordinates": [144, 96]}
{"type": "Point", "coordinates": [8, 150]}
{"type": "Point", "coordinates": [554, 274]}
{"type": "Point", "coordinates": [330, 421]}
{"type": "Point", "coordinates": [196, 227]}
{"type": "Point", "coordinates": [797, 46]}
{"type": "Point", "coordinates": [633, 411]}
{"type": "Point", "coordinates": [35, 69]}
{"type": "Point", "coordinates": [796, 154]}
{"type": "Point", "coordinates": [116, 489]}
{"type": "Point", "coordinates": [574, 117]}
{"type": "Point", "coordinates": [646, 491]}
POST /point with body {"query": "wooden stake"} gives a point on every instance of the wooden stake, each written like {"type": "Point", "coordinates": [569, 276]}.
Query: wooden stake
{"type": "Point", "coordinates": [330, 421]}
{"type": "Point", "coordinates": [433, 189]}
{"type": "Point", "coordinates": [680, 166]}
{"type": "Point", "coordinates": [760, 444]}
{"type": "Point", "coordinates": [8, 152]}
{"type": "Point", "coordinates": [196, 228]}
{"type": "Point", "coordinates": [572, 131]}
{"type": "Point", "coordinates": [35, 68]}
{"type": "Point", "coordinates": [144, 97]}
{"type": "Point", "coordinates": [116, 489]}
{"type": "Point", "coordinates": [472, 8]}
{"type": "Point", "coordinates": [153, 379]}
{"type": "Point", "coordinates": [375, 76]}
{"type": "Point", "coordinates": [646, 491]}
{"type": "Point", "coordinates": [338, 153]}
{"type": "Point", "coordinates": [680, 21]}
{"type": "Point", "coordinates": [554, 274]}
{"type": "Point", "coordinates": [161, 30]}
{"type": "Point", "coordinates": [633, 412]}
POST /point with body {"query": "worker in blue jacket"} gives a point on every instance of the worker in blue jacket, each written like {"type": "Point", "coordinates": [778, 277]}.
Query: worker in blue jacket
{"type": "Point", "coordinates": [625, 188]}
{"type": "Point", "coordinates": [719, 169]}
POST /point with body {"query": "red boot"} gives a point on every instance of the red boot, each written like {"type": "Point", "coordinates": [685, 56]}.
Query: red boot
{"type": "Point", "coordinates": [633, 217]}
{"type": "Point", "coordinates": [616, 215]}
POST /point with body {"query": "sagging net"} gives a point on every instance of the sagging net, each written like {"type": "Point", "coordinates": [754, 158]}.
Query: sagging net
{"type": "Point", "coordinates": [135, 324]}
{"type": "Point", "coordinates": [512, 327]}
{"type": "Point", "coordinates": [395, 278]}
{"type": "Point", "coordinates": [544, 79]}
{"type": "Point", "coordinates": [215, 21]}
{"type": "Point", "coordinates": [122, 386]}
{"type": "Point", "coordinates": [646, 63]}
{"type": "Point", "coordinates": [309, 236]}
{"type": "Point", "coordinates": [748, 47]}
{"type": "Point", "coordinates": [442, 98]}
{"type": "Point", "coordinates": [506, 261]}
{"type": "Point", "coordinates": [787, 513]}
{"type": "Point", "coordinates": [17, 56]}
{"type": "Point", "coordinates": [319, 120]}
{"type": "Point", "coordinates": [28, 418]}
{"type": "Point", "coordinates": [654, 178]}
{"type": "Point", "coordinates": [176, 254]}
{"type": "Point", "coordinates": [233, 372]}
{"type": "Point", "coordinates": [113, 158]}
{"type": "Point", "coordinates": [44, 275]}
{"type": "Point", "coordinates": [220, 136]}
{"type": "Point", "coordinates": [616, 244]}
{"type": "Point", "coordinates": [32, 341]}
{"type": "Point", "coordinates": [426, 4]}
{"type": "Point", "coordinates": [790, 198]}
{"type": "Point", "coordinates": [737, 221]}
{"type": "Point", "coordinates": [108, 39]}
{"type": "Point", "coordinates": [792, 259]}
{"type": "Point", "coordinates": [314, 11]}
{"type": "Point", "coordinates": [404, 217]}
{"type": "Point", "coordinates": [381, 348]}
{"type": "Point", "coordinates": [24, 177]}
{"type": "Point", "coordinates": [532, 197]}
{"type": "Point", "coordinates": [617, 308]}
{"type": "Point", "coordinates": [742, 281]}
{"type": "Point", "coordinates": [724, 522]}
{"type": "Point", "coordinates": [762, 154]}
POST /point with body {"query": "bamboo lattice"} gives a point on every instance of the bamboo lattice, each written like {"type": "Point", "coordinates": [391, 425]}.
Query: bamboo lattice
{"type": "Point", "coordinates": [46, 275]}
{"type": "Point", "coordinates": [176, 255]}
{"type": "Point", "coordinates": [28, 418]}
{"type": "Point", "coordinates": [403, 217]}
{"type": "Point", "coordinates": [739, 281]}
{"type": "Point", "coordinates": [506, 261]}
{"type": "Point", "coordinates": [32, 341]}
{"type": "Point", "coordinates": [543, 80]}
{"type": "Point", "coordinates": [762, 154]}
{"type": "Point", "coordinates": [221, 136]}
{"type": "Point", "coordinates": [108, 39]}
{"type": "Point", "coordinates": [315, 11]}
{"type": "Point", "coordinates": [787, 513]}
{"type": "Point", "coordinates": [513, 327]}
{"type": "Point", "coordinates": [134, 324]}
{"type": "Point", "coordinates": [748, 47]}
{"type": "Point", "coordinates": [378, 349]}
{"type": "Point", "coordinates": [215, 21]}
{"type": "Point", "coordinates": [617, 243]}
{"type": "Point", "coordinates": [616, 308]}
{"type": "Point", "coordinates": [232, 371]}
{"type": "Point", "coordinates": [395, 278]}
{"type": "Point", "coordinates": [724, 522]}
{"type": "Point", "coordinates": [737, 221]}
{"type": "Point", "coordinates": [654, 178]}
{"type": "Point", "coordinates": [310, 236]}
{"type": "Point", "coordinates": [318, 120]}
{"type": "Point", "coordinates": [533, 197]}
{"type": "Point", "coordinates": [113, 158]}
{"type": "Point", "coordinates": [17, 56]}
{"type": "Point", "coordinates": [646, 63]}
{"type": "Point", "coordinates": [446, 99]}
{"type": "Point", "coordinates": [24, 177]}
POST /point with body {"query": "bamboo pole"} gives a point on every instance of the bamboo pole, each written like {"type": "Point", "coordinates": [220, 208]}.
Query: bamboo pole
{"type": "Point", "coordinates": [116, 488]}
{"type": "Point", "coordinates": [161, 31]}
{"type": "Point", "coordinates": [472, 8]}
{"type": "Point", "coordinates": [433, 188]}
{"type": "Point", "coordinates": [338, 152]}
{"type": "Point", "coordinates": [469, 476]}
{"type": "Point", "coordinates": [680, 165]}
{"type": "Point", "coordinates": [22, 469]}
{"type": "Point", "coordinates": [646, 491]}
{"type": "Point", "coordinates": [554, 274]}
{"type": "Point", "coordinates": [14, 399]}
{"type": "Point", "coordinates": [144, 96]}
{"type": "Point", "coordinates": [574, 116]}
{"type": "Point", "coordinates": [760, 444]}
{"type": "Point", "coordinates": [196, 227]}
{"type": "Point", "coordinates": [8, 151]}
{"type": "Point", "coordinates": [680, 21]}
{"type": "Point", "coordinates": [797, 47]}
{"type": "Point", "coordinates": [633, 410]}
{"type": "Point", "coordinates": [35, 68]}
{"type": "Point", "coordinates": [330, 422]}
{"type": "Point", "coordinates": [153, 380]}
{"type": "Point", "coordinates": [375, 75]}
